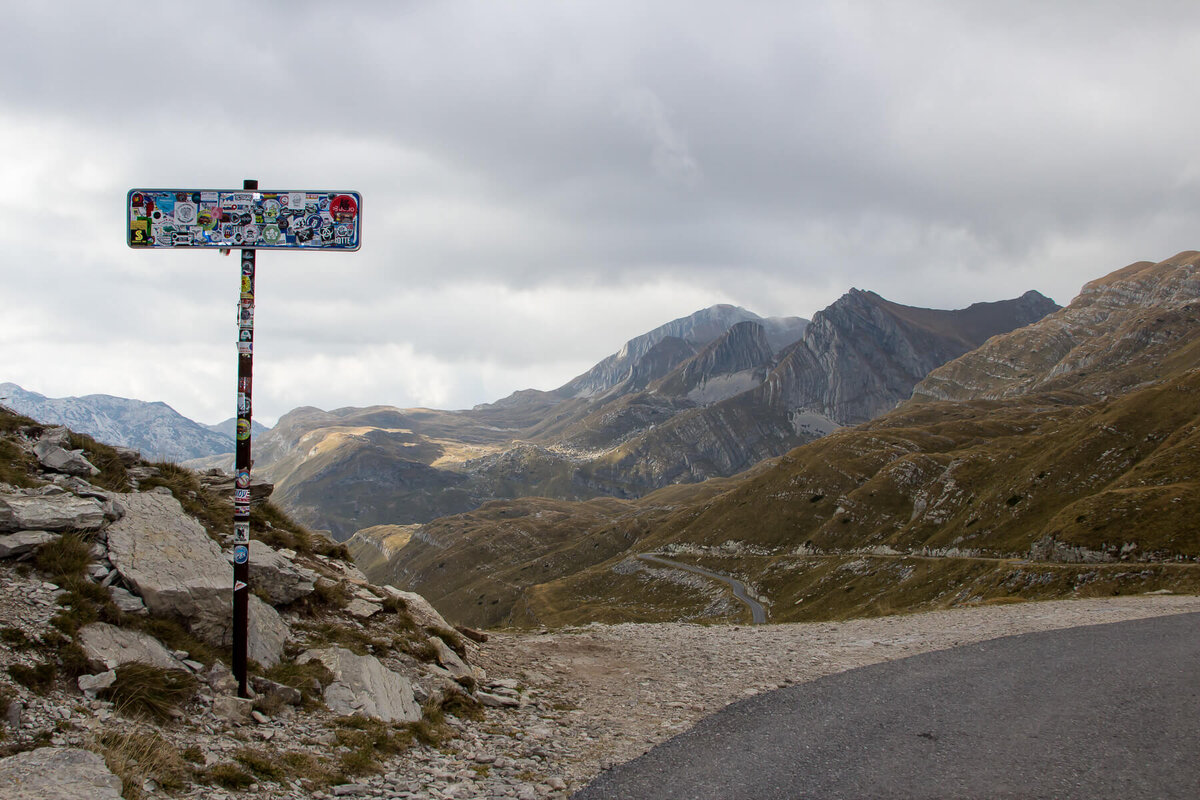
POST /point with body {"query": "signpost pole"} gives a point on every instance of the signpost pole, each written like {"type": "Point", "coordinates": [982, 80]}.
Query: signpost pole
{"type": "Point", "coordinates": [242, 464]}
{"type": "Point", "coordinates": [196, 219]}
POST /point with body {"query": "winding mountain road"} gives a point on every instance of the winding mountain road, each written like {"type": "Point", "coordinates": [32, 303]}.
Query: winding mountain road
{"type": "Point", "coordinates": [1095, 712]}
{"type": "Point", "coordinates": [758, 614]}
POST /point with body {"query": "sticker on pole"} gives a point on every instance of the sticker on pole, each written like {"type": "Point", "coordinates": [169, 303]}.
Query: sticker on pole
{"type": "Point", "coordinates": [249, 219]}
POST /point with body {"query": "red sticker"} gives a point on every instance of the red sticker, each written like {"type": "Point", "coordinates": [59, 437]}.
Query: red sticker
{"type": "Point", "coordinates": [343, 208]}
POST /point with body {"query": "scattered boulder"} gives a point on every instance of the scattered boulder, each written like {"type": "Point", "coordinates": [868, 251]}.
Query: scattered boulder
{"type": "Point", "coordinates": [127, 601]}
{"type": "Point", "coordinates": [232, 709]}
{"type": "Point", "coordinates": [277, 576]}
{"type": "Point", "coordinates": [58, 459]}
{"type": "Point", "coordinates": [276, 691]}
{"type": "Point", "coordinates": [451, 660]}
{"type": "Point", "coordinates": [15, 545]}
{"type": "Point", "coordinates": [54, 512]}
{"type": "Point", "coordinates": [424, 614]}
{"type": "Point", "coordinates": [362, 685]}
{"type": "Point", "coordinates": [57, 773]}
{"type": "Point", "coordinates": [363, 608]}
{"type": "Point", "coordinates": [108, 647]}
{"type": "Point", "coordinates": [90, 685]}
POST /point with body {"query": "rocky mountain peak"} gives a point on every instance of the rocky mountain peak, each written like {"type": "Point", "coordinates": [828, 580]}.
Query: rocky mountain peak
{"type": "Point", "coordinates": [864, 354]}
{"type": "Point", "coordinates": [697, 329]}
{"type": "Point", "coordinates": [734, 357]}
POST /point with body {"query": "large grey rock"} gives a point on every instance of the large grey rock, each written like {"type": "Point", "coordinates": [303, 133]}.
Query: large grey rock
{"type": "Point", "coordinates": [18, 544]}
{"type": "Point", "coordinates": [362, 685]}
{"type": "Point", "coordinates": [419, 608]}
{"type": "Point", "coordinates": [58, 459]}
{"type": "Point", "coordinates": [178, 571]}
{"type": "Point", "coordinates": [54, 773]}
{"type": "Point", "coordinates": [108, 647]}
{"type": "Point", "coordinates": [277, 576]}
{"type": "Point", "coordinates": [57, 512]}
{"type": "Point", "coordinates": [451, 660]}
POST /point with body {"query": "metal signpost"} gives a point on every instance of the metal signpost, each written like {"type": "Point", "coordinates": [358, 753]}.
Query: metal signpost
{"type": "Point", "coordinates": [249, 220]}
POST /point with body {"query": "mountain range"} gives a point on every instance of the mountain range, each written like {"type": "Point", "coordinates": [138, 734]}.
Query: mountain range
{"type": "Point", "coordinates": [1054, 459]}
{"type": "Point", "coordinates": [158, 431]}
{"type": "Point", "coordinates": [702, 396]}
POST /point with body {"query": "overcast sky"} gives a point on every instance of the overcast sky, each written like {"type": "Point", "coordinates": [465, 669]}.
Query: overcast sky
{"type": "Point", "coordinates": [543, 180]}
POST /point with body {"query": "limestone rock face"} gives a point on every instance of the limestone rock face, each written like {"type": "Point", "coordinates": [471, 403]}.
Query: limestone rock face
{"type": "Point", "coordinates": [362, 685]}
{"type": "Point", "coordinates": [863, 355]}
{"type": "Point", "coordinates": [167, 557]}
{"type": "Point", "coordinates": [731, 364]}
{"type": "Point", "coordinates": [57, 773]}
{"type": "Point", "coordinates": [450, 660]}
{"type": "Point", "coordinates": [423, 613]}
{"type": "Point", "coordinates": [56, 512]}
{"type": "Point", "coordinates": [179, 571]}
{"type": "Point", "coordinates": [108, 647]}
{"type": "Point", "coordinates": [277, 576]}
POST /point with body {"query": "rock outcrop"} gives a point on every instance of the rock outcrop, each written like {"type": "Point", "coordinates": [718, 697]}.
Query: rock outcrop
{"type": "Point", "coordinates": [108, 647]}
{"type": "Point", "coordinates": [362, 685]}
{"type": "Point", "coordinates": [1121, 331]}
{"type": "Point", "coordinates": [56, 511]}
{"type": "Point", "coordinates": [178, 571]}
{"type": "Point", "coordinates": [863, 355]}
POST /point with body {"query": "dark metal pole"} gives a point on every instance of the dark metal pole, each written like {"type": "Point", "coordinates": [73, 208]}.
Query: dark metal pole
{"type": "Point", "coordinates": [242, 463]}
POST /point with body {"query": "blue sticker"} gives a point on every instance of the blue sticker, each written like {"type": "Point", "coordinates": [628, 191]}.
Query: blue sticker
{"type": "Point", "coordinates": [241, 554]}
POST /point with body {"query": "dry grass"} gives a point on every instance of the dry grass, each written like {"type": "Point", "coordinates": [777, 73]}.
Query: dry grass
{"type": "Point", "coordinates": [135, 756]}
{"type": "Point", "coordinates": [142, 690]}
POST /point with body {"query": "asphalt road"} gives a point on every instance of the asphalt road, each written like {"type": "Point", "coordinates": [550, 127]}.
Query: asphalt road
{"type": "Point", "coordinates": [1105, 711]}
{"type": "Point", "coordinates": [758, 614]}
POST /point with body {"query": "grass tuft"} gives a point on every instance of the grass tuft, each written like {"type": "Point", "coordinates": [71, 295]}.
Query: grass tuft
{"type": "Point", "coordinates": [144, 690]}
{"type": "Point", "coordinates": [136, 756]}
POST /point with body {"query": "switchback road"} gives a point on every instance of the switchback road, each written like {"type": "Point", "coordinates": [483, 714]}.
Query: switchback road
{"type": "Point", "coordinates": [758, 614]}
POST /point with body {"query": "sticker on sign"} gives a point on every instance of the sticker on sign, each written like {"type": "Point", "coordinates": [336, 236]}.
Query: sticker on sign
{"type": "Point", "coordinates": [215, 218]}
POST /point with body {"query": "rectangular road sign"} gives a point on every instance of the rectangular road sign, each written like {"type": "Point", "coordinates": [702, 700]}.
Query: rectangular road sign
{"type": "Point", "coordinates": [243, 219]}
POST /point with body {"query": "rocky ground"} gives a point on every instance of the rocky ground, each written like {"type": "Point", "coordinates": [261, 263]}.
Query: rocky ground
{"type": "Point", "coordinates": [518, 715]}
{"type": "Point", "coordinates": [594, 696]}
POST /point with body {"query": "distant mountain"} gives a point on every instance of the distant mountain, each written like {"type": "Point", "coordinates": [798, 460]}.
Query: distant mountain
{"type": "Point", "coordinates": [863, 354]}
{"type": "Point", "coordinates": [685, 402]}
{"type": "Point", "coordinates": [1065, 465]}
{"type": "Point", "coordinates": [158, 431]}
{"type": "Point", "coordinates": [697, 330]}
{"type": "Point", "coordinates": [229, 428]}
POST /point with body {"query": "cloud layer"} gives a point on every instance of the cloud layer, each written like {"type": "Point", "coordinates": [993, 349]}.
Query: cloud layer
{"type": "Point", "coordinates": [545, 180]}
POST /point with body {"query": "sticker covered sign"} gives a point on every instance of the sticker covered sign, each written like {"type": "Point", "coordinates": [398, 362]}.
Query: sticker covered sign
{"type": "Point", "coordinates": [208, 218]}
